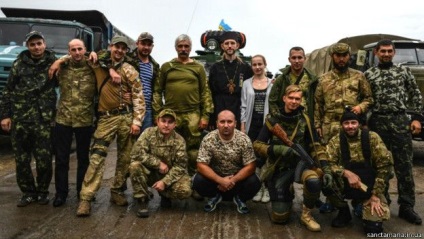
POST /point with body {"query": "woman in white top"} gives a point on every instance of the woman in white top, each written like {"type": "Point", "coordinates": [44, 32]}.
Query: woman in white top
{"type": "Point", "coordinates": [254, 107]}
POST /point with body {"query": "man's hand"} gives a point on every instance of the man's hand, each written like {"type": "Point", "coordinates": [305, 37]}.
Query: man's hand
{"type": "Point", "coordinates": [376, 206]}
{"type": "Point", "coordinates": [416, 127]}
{"type": "Point", "coordinates": [116, 78]}
{"type": "Point", "coordinates": [203, 123]}
{"type": "Point", "coordinates": [319, 132]}
{"type": "Point", "coordinates": [159, 186]}
{"type": "Point", "coordinates": [163, 168]}
{"type": "Point", "coordinates": [135, 129]}
{"type": "Point", "coordinates": [353, 179]}
{"type": "Point", "coordinates": [286, 151]}
{"type": "Point", "coordinates": [6, 124]}
{"type": "Point", "coordinates": [356, 110]}
{"type": "Point", "coordinates": [226, 184]}
{"type": "Point", "coordinates": [327, 181]}
{"type": "Point", "coordinates": [127, 96]}
{"type": "Point", "coordinates": [54, 68]}
{"type": "Point", "coordinates": [93, 57]}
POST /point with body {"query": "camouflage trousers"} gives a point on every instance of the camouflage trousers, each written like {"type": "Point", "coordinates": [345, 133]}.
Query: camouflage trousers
{"type": "Point", "coordinates": [142, 178]}
{"type": "Point", "coordinates": [395, 132]}
{"type": "Point", "coordinates": [32, 139]}
{"type": "Point", "coordinates": [188, 127]}
{"type": "Point", "coordinates": [108, 128]}
{"type": "Point", "coordinates": [329, 130]}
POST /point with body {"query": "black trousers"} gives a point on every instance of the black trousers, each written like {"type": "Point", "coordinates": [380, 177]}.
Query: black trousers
{"type": "Point", "coordinates": [245, 189]}
{"type": "Point", "coordinates": [63, 141]}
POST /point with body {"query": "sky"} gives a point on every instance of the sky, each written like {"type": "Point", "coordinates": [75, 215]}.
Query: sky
{"type": "Point", "coordinates": [271, 27]}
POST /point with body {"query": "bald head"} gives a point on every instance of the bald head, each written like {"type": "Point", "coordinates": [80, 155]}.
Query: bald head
{"type": "Point", "coordinates": [76, 49]}
{"type": "Point", "coordinates": [226, 123]}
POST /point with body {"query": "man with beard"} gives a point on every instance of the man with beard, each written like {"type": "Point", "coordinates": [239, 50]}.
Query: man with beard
{"type": "Point", "coordinates": [340, 87]}
{"type": "Point", "coordinates": [395, 90]}
{"type": "Point", "coordinates": [361, 166]}
{"type": "Point", "coordinates": [226, 78]}
{"type": "Point", "coordinates": [183, 87]}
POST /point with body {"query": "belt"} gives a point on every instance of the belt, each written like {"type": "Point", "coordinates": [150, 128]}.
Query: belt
{"type": "Point", "coordinates": [120, 110]}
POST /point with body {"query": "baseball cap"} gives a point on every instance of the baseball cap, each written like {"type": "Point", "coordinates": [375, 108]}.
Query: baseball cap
{"type": "Point", "coordinates": [33, 34]}
{"type": "Point", "coordinates": [145, 36]}
{"type": "Point", "coordinates": [340, 48]}
{"type": "Point", "coordinates": [118, 39]}
{"type": "Point", "coordinates": [167, 112]}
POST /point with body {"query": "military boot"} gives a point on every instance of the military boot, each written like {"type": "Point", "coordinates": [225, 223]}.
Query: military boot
{"type": "Point", "coordinates": [309, 221]}
{"type": "Point", "coordinates": [118, 198]}
{"type": "Point", "coordinates": [143, 210]}
{"type": "Point", "coordinates": [84, 208]}
{"type": "Point", "coordinates": [408, 213]}
{"type": "Point", "coordinates": [343, 218]}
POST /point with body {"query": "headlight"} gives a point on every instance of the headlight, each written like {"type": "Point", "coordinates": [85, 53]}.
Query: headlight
{"type": "Point", "coordinates": [212, 44]}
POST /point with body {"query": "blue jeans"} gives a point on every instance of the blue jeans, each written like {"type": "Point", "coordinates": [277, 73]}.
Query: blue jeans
{"type": "Point", "coordinates": [148, 120]}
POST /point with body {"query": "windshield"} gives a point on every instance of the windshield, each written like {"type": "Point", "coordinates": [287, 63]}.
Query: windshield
{"type": "Point", "coordinates": [57, 37]}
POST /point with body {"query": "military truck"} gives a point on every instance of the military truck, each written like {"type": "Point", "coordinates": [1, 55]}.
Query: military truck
{"type": "Point", "coordinates": [409, 52]}
{"type": "Point", "coordinates": [58, 27]}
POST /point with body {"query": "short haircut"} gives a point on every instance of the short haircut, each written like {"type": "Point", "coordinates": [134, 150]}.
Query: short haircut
{"type": "Point", "coordinates": [384, 42]}
{"type": "Point", "coordinates": [182, 37]}
{"type": "Point", "coordinates": [296, 48]}
{"type": "Point", "coordinates": [291, 89]}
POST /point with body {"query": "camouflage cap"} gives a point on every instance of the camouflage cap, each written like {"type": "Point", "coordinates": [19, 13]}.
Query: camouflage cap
{"type": "Point", "coordinates": [117, 39]}
{"type": "Point", "coordinates": [340, 48]}
{"type": "Point", "coordinates": [33, 34]}
{"type": "Point", "coordinates": [167, 112]}
{"type": "Point", "coordinates": [145, 36]}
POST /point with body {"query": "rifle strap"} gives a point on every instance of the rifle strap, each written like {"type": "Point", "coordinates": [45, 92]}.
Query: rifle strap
{"type": "Point", "coordinates": [308, 123]}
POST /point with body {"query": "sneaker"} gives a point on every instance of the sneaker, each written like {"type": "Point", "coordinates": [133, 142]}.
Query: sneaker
{"type": "Point", "coordinates": [265, 196]}
{"type": "Point", "coordinates": [118, 198]}
{"type": "Point", "coordinates": [408, 213]}
{"type": "Point", "coordinates": [241, 206]}
{"type": "Point", "coordinates": [43, 199]}
{"type": "Point", "coordinates": [143, 210]}
{"type": "Point", "coordinates": [326, 208]}
{"type": "Point", "coordinates": [258, 196]}
{"type": "Point", "coordinates": [84, 208]}
{"type": "Point", "coordinates": [165, 202]}
{"type": "Point", "coordinates": [211, 205]}
{"type": "Point", "coordinates": [26, 200]}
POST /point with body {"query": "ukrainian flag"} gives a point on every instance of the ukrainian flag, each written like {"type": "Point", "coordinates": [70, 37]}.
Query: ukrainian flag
{"type": "Point", "coordinates": [223, 26]}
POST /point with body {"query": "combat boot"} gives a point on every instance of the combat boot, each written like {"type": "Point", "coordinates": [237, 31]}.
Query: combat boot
{"type": "Point", "coordinates": [143, 210]}
{"type": "Point", "coordinates": [308, 220]}
{"type": "Point", "coordinates": [84, 208]}
{"type": "Point", "coordinates": [343, 218]}
{"type": "Point", "coordinates": [408, 213]}
{"type": "Point", "coordinates": [118, 198]}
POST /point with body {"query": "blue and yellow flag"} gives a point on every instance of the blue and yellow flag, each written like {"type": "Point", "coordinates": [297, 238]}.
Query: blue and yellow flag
{"type": "Point", "coordinates": [223, 26]}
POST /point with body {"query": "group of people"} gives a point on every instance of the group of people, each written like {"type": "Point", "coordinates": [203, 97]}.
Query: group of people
{"type": "Point", "coordinates": [233, 135]}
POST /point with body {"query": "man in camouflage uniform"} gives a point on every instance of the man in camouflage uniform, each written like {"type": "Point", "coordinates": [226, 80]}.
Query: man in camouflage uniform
{"type": "Point", "coordinates": [27, 111]}
{"type": "Point", "coordinates": [75, 113]}
{"type": "Point", "coordinates": [395, 90]}
{"type": "Point", "coordinates": [159, 160]}
{"type": "Point", "coordinates": [358, 156]}
{"type": "Point", "coordinates": [119, 117]}
{"type": "Point", "coordinates": [295, 74]}
{"type": "Point", "coordinates": [282, 159]}
{"type": "Point", "coordinates": [183, 86]}
{"type": "Point", "coordinates": [226, 166]}
{"type": "Point", "coordinates": [338, 88]}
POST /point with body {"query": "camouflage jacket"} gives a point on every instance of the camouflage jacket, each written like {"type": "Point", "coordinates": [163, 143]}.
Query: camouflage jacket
{"type": "Point", "coordinates": [296, 126]}
{"type": "Point", "coordinates": [29, 95]}
{"type": "Point", "coordinates": [226, 157]}
{"type": "Point", "coordinates": [394, 89]}
{"type": "Point", "coordinates": [308, 84]}
{"type": "Point", "coordinates": [112, 95]}
{"type": "Point", "coordinates": [77, 87]}
{"type": "Point", "coordinates": [381, 158]}
{"type": "Point", "coordinates": [184, 88]}
{"type": "Point", "coordinates": [152, 148]}
{"type": "Point", "coordinates": [335, 91]}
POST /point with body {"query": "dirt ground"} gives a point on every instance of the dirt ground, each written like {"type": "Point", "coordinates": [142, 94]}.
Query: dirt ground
{"type": "Point", "coordinates": [186, 219]}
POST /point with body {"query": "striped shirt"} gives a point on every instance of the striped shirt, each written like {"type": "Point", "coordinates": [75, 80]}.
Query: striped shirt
{"type": "Point", "coordinates": [146, 75]}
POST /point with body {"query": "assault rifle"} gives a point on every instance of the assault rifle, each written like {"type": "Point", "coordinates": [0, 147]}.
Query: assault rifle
{"type": "Point", "coordinates": [305, 160]}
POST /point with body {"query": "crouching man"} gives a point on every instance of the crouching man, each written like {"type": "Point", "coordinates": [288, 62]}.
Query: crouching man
{"type": "Point", "coordinates": [159, 160]}
{"type": "Point", "coordinates": [359, 173]}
